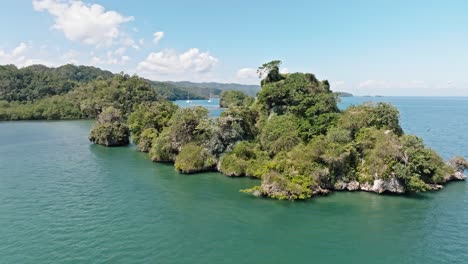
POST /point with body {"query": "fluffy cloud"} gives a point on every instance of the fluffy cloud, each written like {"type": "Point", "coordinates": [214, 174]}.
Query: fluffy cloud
{"type": "Point", "coordinates": [16, 56]}
{"type": "Point", "coordinates": [26, 54]}
{"type": "Point", "coordinates": [86, 23]}
{"type": "Point", "coordinates": [170, 63]}
{"type": "Point", "coordinates": [116, 57]}
{"type": "Point", "coordinates": [247, 73]}
{"type": "Point", "coordinates": [157, 36]}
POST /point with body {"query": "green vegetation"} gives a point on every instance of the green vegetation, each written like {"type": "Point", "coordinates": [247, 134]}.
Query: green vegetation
{"type": "Point", "coordinates": [31, 83]}
{"type": "Point", "coordinates": [194, 158]}
{"type": "Point", "coordinates": [292, 136]}
{"type": "Point", "coordinates": [148, 120]}
{"type": "Point", "coordinates": [109, 129]}
{"type": "Point", "coordinates": [79, 92]}
{"type": "Point", "coordinates": [233, 98]}
{"type": "Point", "coordinates": [85, 101]}
{"type": "Point", "coordinates": [296, 140]}
{"type": "Point", "coordinates": [217, 88]}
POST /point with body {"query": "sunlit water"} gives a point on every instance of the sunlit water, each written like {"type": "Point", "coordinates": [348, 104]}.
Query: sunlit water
{"type": "Point", "coordinates": [63, 200]}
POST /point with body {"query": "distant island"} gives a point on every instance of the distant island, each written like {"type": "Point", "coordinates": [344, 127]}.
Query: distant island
{"type": "Point", "coordinates": [292, 136]}
{"type": "Point", "coordinates": [344, 94]}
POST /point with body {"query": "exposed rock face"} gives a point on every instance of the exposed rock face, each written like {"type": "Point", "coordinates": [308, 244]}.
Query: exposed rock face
{"type": "Point", "coordinates": [320, 191]}
{"type": "Point", "coordinates": [457, 176]}
{"type": "Point", "coordinates": [436, 187]}
{"type": "Point", "coordinates": [350, 186]}
{"type": "Point", "coordinates": [379, 186]}
{"type": "Point", "coordinates": [340, 185]}
{"type": "Point", "coordinates": [389, 185]}
{"type": "Point", "coordinates": [367, 187]}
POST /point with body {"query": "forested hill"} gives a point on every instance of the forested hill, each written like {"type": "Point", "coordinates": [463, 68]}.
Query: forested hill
{"type": "Point", "coordinates": [38, 81]}
{"type": "Point", "coordinates": [35, 82]}
{"type": "Point", "coordinates": [248, 89]}
{"type": "Point", "coordinates": [73, 92]}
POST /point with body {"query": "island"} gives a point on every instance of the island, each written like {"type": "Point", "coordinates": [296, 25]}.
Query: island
{"type": "Point", "coordinates": [292, 136]}
{"type": "Point", "coordinates": [344, 94]}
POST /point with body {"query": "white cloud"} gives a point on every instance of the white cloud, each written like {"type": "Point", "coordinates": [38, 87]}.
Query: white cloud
{"type": "Point", "coordinates": [116, 57]}
{"type": "Point", "coordinates": [170, 63]}
{"type": "Point", "coordinates": [20, 49]}
{"type": "Point", "coordinates": [120, 51]}
{"type": "Point", "coordinates": [157, 36]}
{"type": "Point", "coordinates": [70, 57]}
{"type": "Point", "coordinates": [247, 73]}
{"type": "Point", "coordinates": [16, 56]}
{"type": "Point", "coordinates": [284, 70]}
{"type": "Point", "coordinates": [86, 23]}
{"type": "Point", "coordinates": [26, 55]}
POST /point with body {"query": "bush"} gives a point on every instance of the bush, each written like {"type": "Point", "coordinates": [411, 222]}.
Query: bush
{"type": "Point", "coordinates": [233, 98]}
{"type": "Point", "coordinates": [193, 158]}
{"type": "Point", "coordinates": [110, 134]}
{"type": "Point", "coordinates": [154, 115]}
{"type": "Point", "coordinates": [161, 148]}
{"type": "Point", "coordinates": [146, 139]}
{"type": "Point", "coordinates": [246, 159]}
{"type": "Point", "coordinates": [377, 115]}
{"type": "Point", "coordinates": [280, 133]}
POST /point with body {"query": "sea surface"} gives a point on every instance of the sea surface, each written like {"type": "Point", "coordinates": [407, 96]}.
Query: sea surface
{"type": "Point", "coordinates": [64, 200]}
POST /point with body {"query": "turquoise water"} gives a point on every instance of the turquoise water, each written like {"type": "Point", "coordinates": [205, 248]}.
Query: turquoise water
{"type": "Point", "coordinates": [63, 200]}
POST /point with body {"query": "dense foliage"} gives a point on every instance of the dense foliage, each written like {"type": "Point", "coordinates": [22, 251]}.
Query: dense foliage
{"type": "Point", "coordinates": [232, 98]}
{"type": "Point", "coordinates": [292, 136]}
{"type": "Point", "coordinates": [296, 140]}
{"type": "Point", "coordinates": [86, 101]}
{"type": "Point", "coordinates": [76, 92]}
{"type": "Point", "coordinates": [109, 129]}
{"type": "Point", "coordinates": [37, 81]}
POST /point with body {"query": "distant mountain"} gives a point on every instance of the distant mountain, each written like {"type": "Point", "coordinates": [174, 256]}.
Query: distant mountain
{"type": "Point", "coordinates": [173, 91]}
{"type": "Point", "coordinates": [35, 82]}
{"type": "Point", "coordinates": [344, 94]}
{"type": "Point", "coordinates": [38, 81]}
{"type": "Point", "coordinates": [248, 89]}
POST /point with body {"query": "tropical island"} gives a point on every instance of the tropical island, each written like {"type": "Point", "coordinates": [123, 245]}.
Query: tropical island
{"type": "Point", "coordinates": [291, 136]}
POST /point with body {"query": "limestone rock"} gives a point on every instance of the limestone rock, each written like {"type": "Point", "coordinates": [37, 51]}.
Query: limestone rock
{"type": "Point", "coordinates": [353, 186]}
{"type": "Point", "coordinates": [367, 187]}
{"type": "Point", "coordinates": [340, 185]}
{"type": "Point", "coordinates": [379, 186]}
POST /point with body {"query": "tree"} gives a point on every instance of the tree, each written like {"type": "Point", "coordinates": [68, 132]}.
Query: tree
{"type": "Point", "coordinates": [194, 158]}
{"type": "Point", "coordinates": [267, 68]}
{"type": "Point", "coordinates": [148, 115]}
{"type": "Point", "coordinates": [109, 129]}
{"type": "Point", "coordinates": [233, 98]}
{"type": "Point", "coordinates": [280, 133]}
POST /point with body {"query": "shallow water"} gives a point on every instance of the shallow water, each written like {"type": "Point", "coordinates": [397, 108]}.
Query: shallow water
{"type": "Point", "coordinates": [63, 200]}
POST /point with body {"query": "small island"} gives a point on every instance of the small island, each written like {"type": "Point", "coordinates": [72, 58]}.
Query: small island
{"type": "Point", "coordinates": [295, 139]}
{"type": "Point", "coordinates": [292, 136]}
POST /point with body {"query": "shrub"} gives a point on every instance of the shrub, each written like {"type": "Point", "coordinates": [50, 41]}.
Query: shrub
{"type": "Point", "coordinates": [193, 158]}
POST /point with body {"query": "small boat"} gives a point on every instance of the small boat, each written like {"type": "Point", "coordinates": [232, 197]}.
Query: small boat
{"type": "Point", "coordinates": [188, 98]}
{"type": "Point", "coordinates": [209, 98]}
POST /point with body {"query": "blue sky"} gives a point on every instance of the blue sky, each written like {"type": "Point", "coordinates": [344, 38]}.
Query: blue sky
{"type": "Point", "coordinates": [363, 47]}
